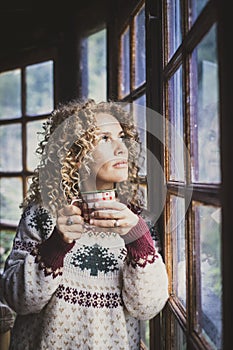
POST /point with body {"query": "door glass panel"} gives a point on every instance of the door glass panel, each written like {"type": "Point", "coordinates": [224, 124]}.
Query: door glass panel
{"type": "Point", "coordinates": [6, 241]}
{"type": "Point", "coordinates": [145, 335]}
{"type": "Point", "coordinates": [96, 63]}
{"type": "Point", "coordinates": [10, 94]}
{"type": "Point", "coordinates": [11, 147]}
{"type": "Point", "coordinates": [208, 223]}
{"type": "Point", "coordinates": [175, 138]}
{"type": "Point", "coordinates": [205, 111]}
{"type": "Point", "coordinates": [177, 226]}
{"type": "Point", "coordinates": [197, 7]}
{"type": "Point", "coordinates": [125, 63]}
{"type": "Point", "coordinates": [174, 26]}
{"type": "Point", "coordinates": [179, 341]}
{"type": "Point", "coordinates": [39, 88]}
{"type": "Point", "coordinates": [32, 144]}
{"type": "Point", "coordinates": [140, 48]}
{"type": "Point", "coordinates": [11, 195]}
{"type": "Point", "coordinates": [139, 109]}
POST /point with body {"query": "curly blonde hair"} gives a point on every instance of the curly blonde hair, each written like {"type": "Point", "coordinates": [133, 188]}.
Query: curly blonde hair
{"type": "Point", "coordinates": [69, 137]}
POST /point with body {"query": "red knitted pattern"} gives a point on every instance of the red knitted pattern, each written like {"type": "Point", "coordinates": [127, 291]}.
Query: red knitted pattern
{"type": "Point", "coordinates": [141, 250]}
{"type": "Point", "coordinates": [50, 254]}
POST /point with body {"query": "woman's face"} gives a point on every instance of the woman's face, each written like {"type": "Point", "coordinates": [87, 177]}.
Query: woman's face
{"type": "Point", "coordinates": [110, 155]}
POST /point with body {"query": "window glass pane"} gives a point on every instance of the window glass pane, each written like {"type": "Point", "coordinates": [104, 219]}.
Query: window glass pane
{"type": "Point", "coordinates": [94, 66]}
{"type": "Point", "coordinates": [139, 112]}
{"type": "Point", "coordinates": [11, 147]}
{"type": "Point", "coordinates": [11, 196]}
{"type": "Point", "coordinates": [197, 7]}
{"type": "Point", "coordinates": [145, 334]}
{"type": "Point", "coordinates": [208, 223]}
{"type": "Point", "coordinates": [6, 240]}
{"type": "Point", "coordinates": [32, 143]}
{"type": "Point", "coordinates": [39, 88]}
{"type": "Point", "coordinates": [177, 225]}
{"type": "Point", "coordinates": [143, 193]}
{"type": "Point", "coordinates": [10, 92]}
{"type": "Point", "coordinates": [140, 45]}
{"type": "Point", "coordinates": [179, 341]}
{"type": "Point", "coordinates": [175, 138]}
{"type": "Point", "coordinates": [174, 26]}
{"type": "Point", "coordinates": [125, 63]}
{"type": "Point", "coordinates": [205, 112]}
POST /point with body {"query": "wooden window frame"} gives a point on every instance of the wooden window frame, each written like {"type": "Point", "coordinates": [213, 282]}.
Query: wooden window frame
{"type": "Point", "coordinates": [21, 64]}
{"type": "Point", "coordinates": [202, 193]}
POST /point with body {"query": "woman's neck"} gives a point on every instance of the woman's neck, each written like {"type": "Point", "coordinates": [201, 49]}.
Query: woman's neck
{"type": "Point", "coordinates": [88, 187]}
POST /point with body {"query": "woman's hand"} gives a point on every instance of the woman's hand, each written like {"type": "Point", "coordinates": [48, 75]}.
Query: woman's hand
{"type": "Point", "coordinates": [113, 214]}
{"type": "Point", "coordinates": [70, 223]}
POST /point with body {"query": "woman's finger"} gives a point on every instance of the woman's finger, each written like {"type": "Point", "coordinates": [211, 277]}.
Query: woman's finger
{"type": "Point", "coordinates": [69, 210]}
{"type": "Point", "coordinates": [70, 220]}
{"type": "Point", "coordinates": [107, 214]}
{"type": "Point", "coordinates": [111, 223]}
{"type": "Point", "coordinates": [110, 205]}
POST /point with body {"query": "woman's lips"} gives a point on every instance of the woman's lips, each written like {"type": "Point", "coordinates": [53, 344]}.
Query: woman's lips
{"type": "Point", "coordinates": [121, 164]}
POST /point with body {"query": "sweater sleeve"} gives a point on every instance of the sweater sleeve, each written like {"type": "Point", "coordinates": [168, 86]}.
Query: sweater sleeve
{"type": "Point", "coordinates": [145, 281]}
{"type": "Point", "coordinates": [33, 269]}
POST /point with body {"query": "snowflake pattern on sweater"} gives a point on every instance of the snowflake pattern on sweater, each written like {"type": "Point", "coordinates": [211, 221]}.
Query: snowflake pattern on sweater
{"type": "Point", "coordinates": [88, 295]}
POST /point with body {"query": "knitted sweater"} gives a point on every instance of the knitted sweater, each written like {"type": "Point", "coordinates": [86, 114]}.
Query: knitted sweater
{"type": "Point", "coordinates": [87, 295]}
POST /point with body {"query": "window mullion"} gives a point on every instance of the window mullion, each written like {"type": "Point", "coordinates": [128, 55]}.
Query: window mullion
{"type": "Point", "coordinates": [24, 131]}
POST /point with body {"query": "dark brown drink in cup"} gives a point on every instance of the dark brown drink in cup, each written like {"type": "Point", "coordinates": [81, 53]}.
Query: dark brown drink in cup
{"type": "Point", "coordinates": [89, 199]}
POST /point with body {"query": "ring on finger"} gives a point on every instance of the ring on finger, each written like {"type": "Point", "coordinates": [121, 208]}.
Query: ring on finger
{"type": "Point", "coordinates": [69, 221]}
{"type": "Point", "coordinates": [116, 223]}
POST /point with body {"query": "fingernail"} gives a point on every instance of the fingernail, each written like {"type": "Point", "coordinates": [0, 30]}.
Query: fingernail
{"type": "Point", "coordinates": [91, 222]}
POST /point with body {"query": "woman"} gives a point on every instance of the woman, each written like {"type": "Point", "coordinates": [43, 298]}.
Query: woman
{"type": "Point", "coordinates": [75, 284]}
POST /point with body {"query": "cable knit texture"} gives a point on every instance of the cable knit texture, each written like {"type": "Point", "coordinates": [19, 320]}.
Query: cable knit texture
{"type": "Point", "coordinates": [87, 295]}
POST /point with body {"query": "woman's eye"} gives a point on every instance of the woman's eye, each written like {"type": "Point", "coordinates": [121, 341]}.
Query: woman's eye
{"type": "Point", "coordinates": [123, 138]}
{"type": "Point", "coordinates": [104, 138]}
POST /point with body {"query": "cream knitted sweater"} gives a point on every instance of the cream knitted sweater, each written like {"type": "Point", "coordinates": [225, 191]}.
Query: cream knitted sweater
{"type": "Point", "coordinates": [87, 295]}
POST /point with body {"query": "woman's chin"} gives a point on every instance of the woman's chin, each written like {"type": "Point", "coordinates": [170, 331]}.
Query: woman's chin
{"type": "Point", "coordinates": [121, 179]}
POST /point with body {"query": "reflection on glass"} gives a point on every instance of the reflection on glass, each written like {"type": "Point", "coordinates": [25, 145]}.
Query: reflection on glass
{"type": "Point", "coordinates": [208, 219]}
{"type": "Point", "coordinates": [139, 113]}
{"type": "Point", "coordinates": [175, 26]}
{"type": "Point", "coordinates": [10, 92]}
{"type": "Point", "coordinates": [205, 133]}
{"type": "Point", "coordinates": [6, 241]}
{"type": "Point", "coordinates": [96, 66]}
{"type": "Point", "coordinates": [32, 143]}
{"type": "Point", "coordinates": [39, 88]}
{"type": "Point", "coordinates": [10, 144]}
{"type": "Point", "coordinates": [208, 145]}
{"type": "Point", "coordinates": [11, 196]}
{"type": "Point", "coordinates": [140, 49]}
{"type": "Point", "coordinates": [176, 147]}
{"type": "Point", "coordinates": [125, 63]}
{"type": "Point", "coordinates": [197, 7]}
{"type": "Point", "coordinates": [177, 224]}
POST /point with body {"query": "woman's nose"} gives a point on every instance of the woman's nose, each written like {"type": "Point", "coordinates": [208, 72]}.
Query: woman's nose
{"type": "Point", "coordinates": [120, 147]}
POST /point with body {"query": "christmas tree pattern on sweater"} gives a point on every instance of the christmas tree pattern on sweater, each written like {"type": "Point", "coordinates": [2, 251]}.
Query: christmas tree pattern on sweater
{"type": "Point", "coordinates": [95, 258]}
